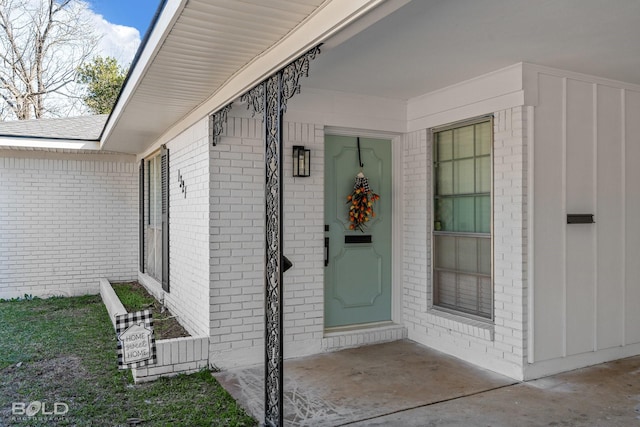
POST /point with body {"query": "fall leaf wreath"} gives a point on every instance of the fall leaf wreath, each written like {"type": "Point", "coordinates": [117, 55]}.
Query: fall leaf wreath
{"type": "Point", "coordinates": [361, 200]}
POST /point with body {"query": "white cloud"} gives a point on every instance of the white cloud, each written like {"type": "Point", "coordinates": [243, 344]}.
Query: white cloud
{"type": "Point", "coordinates": [117, 41]}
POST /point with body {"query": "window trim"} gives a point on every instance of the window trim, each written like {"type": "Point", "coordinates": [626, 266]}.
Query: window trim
{"type": "Point", "coordinates": [431, 226]}
{"type": "Point", "coordinates": [164, 186]}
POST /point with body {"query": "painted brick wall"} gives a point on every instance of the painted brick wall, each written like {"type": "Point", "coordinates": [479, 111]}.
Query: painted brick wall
{"type": "Point", "coordinates": [237, 239]}
{"type": "Point", "coordinates": [66, 219]}
{"type": "Point", "coordinates": [500, 346]}
{"type": "Point", "coordinates": [417, 212]}
{"type": "Point", "coordinates": [189, 158]}
{"type": "Point", "coordinates": [510, 234]}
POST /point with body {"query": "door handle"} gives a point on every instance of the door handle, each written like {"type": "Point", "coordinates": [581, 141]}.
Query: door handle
{"type": "Point", "coordinates": [326, 251]}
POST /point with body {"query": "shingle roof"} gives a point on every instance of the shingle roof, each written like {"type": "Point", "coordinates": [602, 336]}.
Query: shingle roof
{"type": "Point", "coordinates": [82, 128]}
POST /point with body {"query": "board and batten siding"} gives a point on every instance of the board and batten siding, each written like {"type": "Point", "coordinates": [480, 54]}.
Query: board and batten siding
{"type": "Point", "coordinates": [586, 289]}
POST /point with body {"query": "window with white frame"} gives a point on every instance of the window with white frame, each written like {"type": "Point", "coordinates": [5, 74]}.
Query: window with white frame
{"type": "Point", "coordinates": [154, 219]}
{"type": "Point", "coordinates": [462, 203]}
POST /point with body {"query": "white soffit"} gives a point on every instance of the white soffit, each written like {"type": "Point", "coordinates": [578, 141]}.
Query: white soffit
{"type": "Point", "coordinates": [205, 47]}
{"type": "Point", "coordinates": [431, 44]}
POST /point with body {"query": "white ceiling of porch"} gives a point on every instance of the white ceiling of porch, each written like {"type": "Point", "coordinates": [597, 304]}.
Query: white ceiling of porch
{"type": "Point", "coordinates": [431, 44]}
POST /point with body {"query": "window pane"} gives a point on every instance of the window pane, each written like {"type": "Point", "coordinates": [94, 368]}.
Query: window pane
{"type": "Point", "coordinates": [445, 178]}
{"type": "Point", "coordinates": [467, 293]}
{"type": "Point", "coordinates": [483, 138]}
{"type": "Point", "coordinates": [446, 288]}
{"type": "Point", "coordinates": [444, 141]}
{"type": "Point", "coordinates": [463, 142]}
{"type": "Point", "coordinates": [153, 207]}
{"type": "Point", "coordinates": [486, 297]}
{"type": "Point", "coordinates": [467, 249]}
{"type": "Point", "coordinates": [444, 215]}
{"type": "Point", "coordinates": [445, 252]}
{"type": "Point", "coordinates": [483, 174]}
{"type": "Point", "coordinates": [463, 176]}
{"type": "Point", "coordinates": [483, 214]}
{"type": "Point", "coordinates": [484, 256]}
{"type": "Point", "coordinates": [464, 214]}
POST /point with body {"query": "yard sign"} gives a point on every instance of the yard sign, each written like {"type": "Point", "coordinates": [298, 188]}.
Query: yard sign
{"type": "Point", "coordinates": [136, 343]}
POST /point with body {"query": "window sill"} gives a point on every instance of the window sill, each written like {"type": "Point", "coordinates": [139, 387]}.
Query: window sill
{"type": "Point", "coordinates": [476, 328]}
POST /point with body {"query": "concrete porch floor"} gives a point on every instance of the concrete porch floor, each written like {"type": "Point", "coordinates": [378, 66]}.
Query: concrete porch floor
{"type": "Point", "coordinates": [405, 384]}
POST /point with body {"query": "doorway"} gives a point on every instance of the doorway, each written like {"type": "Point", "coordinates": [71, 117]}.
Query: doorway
{"type": "Point", "coordinates": [357, 278]}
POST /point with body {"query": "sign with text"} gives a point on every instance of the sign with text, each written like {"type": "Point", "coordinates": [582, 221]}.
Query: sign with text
{"type": "Point", "coordinates": [136, 343]}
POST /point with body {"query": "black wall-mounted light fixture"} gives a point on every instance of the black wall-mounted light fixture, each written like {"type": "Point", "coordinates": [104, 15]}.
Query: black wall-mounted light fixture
{"type": "Point", "coordinates": [301, 161]}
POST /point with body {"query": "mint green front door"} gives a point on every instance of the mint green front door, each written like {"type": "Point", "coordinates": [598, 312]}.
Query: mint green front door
{"type": "Point", "coordinates": [357, 277]}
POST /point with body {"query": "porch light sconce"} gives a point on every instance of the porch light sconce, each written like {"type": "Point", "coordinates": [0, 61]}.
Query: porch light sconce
{"type": "Point", "coordinates": [301, 161]}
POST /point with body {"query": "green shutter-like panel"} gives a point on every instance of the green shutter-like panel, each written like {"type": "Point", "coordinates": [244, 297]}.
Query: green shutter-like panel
{"type": "Point", "coordinates": [164, 165]}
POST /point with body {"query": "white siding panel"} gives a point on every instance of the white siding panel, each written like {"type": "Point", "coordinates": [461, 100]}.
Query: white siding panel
{"type": "Point", "coordinates": [587, 286]}
{"type": "Point", "coordinates": [580, 198]}
{"type": "Point", "coordinates": [549, 221]}
{"type": "Point", "coordinates": [632, 213]}
{"type": "Point", "coordinates": [609, 219]}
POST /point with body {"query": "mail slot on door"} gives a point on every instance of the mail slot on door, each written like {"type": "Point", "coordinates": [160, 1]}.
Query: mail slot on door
{"type": "Point", "coordinates": [366, 238]}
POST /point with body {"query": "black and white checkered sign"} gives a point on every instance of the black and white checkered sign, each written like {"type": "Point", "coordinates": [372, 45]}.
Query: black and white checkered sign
{"type": "Point", "coordinates": [136, 341]}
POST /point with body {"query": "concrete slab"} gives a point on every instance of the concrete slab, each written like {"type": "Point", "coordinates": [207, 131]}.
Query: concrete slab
{"type": "Point", "coordinates": [603, 395]}
{"type": "Point", "coordinates": [363, 384]}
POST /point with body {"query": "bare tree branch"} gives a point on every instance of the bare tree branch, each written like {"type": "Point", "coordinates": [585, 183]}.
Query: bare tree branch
{"type": "Point", "coordinates": [42, 45]}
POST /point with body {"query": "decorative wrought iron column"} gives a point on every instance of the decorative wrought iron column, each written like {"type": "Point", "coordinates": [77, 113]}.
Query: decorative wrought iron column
{"type": "Point", "coordinates": [270, 98]}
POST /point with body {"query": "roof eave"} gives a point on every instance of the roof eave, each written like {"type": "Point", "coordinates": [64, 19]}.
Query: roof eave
{"type": "Point", "coordinates": [164, 21]}
{"type": "Point", "coordinates": [38, 142]}
{"type": "Point", "coordinates": [329, 19]}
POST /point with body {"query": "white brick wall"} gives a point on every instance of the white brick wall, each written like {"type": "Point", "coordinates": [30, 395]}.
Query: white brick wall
{"type": "Point", "coordinates": [417, 211]}
{"type": "Point", "coordinates": [189, 157]}
{"type": "Point", "coordinates": [174, 357]}
{"type": "Point", "coordinates": [500, 346]}
{"type": "Point", "coordinates": [66, 219]}
{"type": "Point", "coordinates": [237, 234]}
{"type": "Point", "coordinates": [510, 233]}
{"type": "Point", "coordinates": [188, 296]}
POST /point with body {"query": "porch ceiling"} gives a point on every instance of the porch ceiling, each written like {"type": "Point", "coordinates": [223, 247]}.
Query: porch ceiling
{"type": "Point", "coordinates": [430, 44]}
{"type": "Point", "coordinates": [208, 47]}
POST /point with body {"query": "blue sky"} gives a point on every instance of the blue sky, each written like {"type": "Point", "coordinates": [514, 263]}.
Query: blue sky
{"type": "Point", "coordinates": [130, 13]}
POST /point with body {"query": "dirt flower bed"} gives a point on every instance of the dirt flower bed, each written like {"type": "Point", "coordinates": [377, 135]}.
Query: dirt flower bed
{"type": "Point", "coordinates": [135, 297]}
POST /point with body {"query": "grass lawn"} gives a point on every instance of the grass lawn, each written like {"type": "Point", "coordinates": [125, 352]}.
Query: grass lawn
{"type": "Point", "coordinates": [64, 350]}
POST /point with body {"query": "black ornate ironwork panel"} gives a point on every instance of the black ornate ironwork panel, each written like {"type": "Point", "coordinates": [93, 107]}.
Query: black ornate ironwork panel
{"type": "Point", "coordinates": [273, 255]}
{"type": "Point", "coordinates": [291, 75]}
{"type": "Point", "coordinates": [269, 98]}
{"type": "Point", "coordinates": [290, 83]}
{"type": "Point", "coordinates": [216, 124]}
{"type": "Point", "coordinates": [255, 99]}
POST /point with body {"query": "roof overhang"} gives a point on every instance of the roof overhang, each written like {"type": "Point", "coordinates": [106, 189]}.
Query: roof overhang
{"type": "Point", "coordinates": [203, 54]}
{"type": "Point", "coordinates": [48, 143]}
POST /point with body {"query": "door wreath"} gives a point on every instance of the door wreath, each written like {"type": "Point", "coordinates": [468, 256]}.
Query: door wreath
{"type": "Point", "coordinates": [361, 200]}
